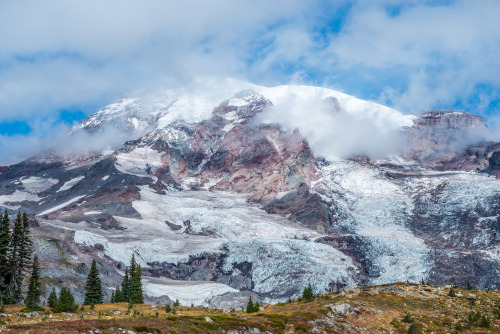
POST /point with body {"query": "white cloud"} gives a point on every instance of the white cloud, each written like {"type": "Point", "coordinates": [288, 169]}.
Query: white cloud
{"type": "Point", "coordinates": [444, 51]}
{"type": "Point", "coordinates": [59, 54]}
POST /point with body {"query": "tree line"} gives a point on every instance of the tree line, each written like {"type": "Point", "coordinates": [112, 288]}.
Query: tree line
{"type": "Point", "coordinates": [16, 248]}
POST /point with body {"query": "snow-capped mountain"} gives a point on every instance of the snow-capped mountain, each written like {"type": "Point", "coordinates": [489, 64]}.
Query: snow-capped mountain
{"type": "Point", "coordinates": [229, 189]}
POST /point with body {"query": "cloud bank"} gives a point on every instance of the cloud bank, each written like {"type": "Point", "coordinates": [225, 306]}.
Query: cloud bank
{"type": "Point", "coordinates": [411, 55]}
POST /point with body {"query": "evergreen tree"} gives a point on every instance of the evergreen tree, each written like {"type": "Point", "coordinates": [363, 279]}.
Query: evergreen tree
{"type": "Point", "coordinates": [308, 294]}
{"type": "Point", "coordinates": [177, 302]}
{"type": "Point", "coordinates": [33, 295]}
{"type": "Point", "coordinates": [52, 301]}
{"type": "Point", "coordinates": [137, 296]}
{"type": "Point", "coordinates": [112, 297]}
{"type": "Point", "coordinates": [26, 245]}
{"type": "Point", "coordinates": [66, 301]}
{"type": "Point", "coordinates": [468, 286]}
{"type": "Point", "coordinates": [452, 293]}
{"type": "Point", "coordinates": [413, 329]}
{"type": "Point", "coordinates": [4, 255]}
{"type": "Point", "coordinates": [131, 279]}
{"type": "Point", "coordinates": [118, 295]}
{"type": "Point", "coordinates": [485, 322]}
{"type": "Point", "coordinates": [256, 307]}
{"type": "Point", "coordinates": [16, 270]}
{"type": "Point", "coordinates": [93, 288]}
{"type": "Point", "coordinates": [125, 286]}
{"type": "Point", "coordinates": [250, 305]}
{"type": "Point", "coordinates": [168, 309]}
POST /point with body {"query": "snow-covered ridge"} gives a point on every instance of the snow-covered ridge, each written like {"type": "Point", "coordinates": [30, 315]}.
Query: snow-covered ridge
{"type": "Point", "coordinates": [293, 106]}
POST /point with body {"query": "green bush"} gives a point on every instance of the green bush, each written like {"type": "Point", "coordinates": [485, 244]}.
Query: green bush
{"type": "Point", "coordinates": [66, 301]}
{"type": "Point", "coordinates": [407, 318]}
{"type": "Point", "coordinates": [413, 329]}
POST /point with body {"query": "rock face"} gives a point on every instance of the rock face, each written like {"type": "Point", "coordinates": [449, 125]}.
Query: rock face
{"type": "Point", "coordinates": [225, 206]}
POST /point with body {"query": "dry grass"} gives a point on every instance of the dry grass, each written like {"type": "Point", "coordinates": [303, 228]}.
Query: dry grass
{"type": "Point", "coordinates": [373, 310]}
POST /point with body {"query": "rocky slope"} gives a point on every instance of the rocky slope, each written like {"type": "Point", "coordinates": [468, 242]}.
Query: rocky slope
{"type": "Point", "coordinates": [217, 202]}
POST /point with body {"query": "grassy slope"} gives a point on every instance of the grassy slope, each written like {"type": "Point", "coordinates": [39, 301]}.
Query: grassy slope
{"type": "Point", "coordinates": [378, 309]}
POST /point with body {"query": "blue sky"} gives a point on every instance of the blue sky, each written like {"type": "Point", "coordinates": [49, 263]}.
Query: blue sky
{"type": "Point", "coordinates": [61, 60]}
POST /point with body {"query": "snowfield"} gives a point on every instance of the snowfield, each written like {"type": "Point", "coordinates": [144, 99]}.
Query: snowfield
{"type": "Point", "coordinates": [219, 223]}
{"type": "Point", "coordinates": [378, 211]}
{"type": "Point", "coordinates": [192, 292]}
{"type": "Point", "coordinates": [32, 186]}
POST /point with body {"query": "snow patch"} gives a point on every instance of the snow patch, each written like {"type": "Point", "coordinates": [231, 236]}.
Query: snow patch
{"type": "Point", "coordinates": [60, 206]}
{"type": "Point", "coordinates": [35, 184]}
{"type": "Point", "coordinates": [197, 293]}
{"type": "Point", "coordinates": [142, 161]}
{"type": "Point", "coordinates": [69, 184]}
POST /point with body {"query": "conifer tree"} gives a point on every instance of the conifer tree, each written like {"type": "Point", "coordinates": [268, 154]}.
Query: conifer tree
{"type": "Point", "coordinates": [125, 286]}
{"type": "Point", "coordinates": [168, 309]}
{"type": "Point", "coordinates": [15, 262]}
{"type": "Point", "coordinates": [308, 294]}
{"type": "Point", "coordinates": [137, 296]}
{"type": "Point", "coordinates": [112, 297]}
{"type": "Point", "coordinates": [52, 301]}
{"type": "Point", "coordinates": [4, 255]}
{"type": "Point", "coordinates": [118, 295]}
{"type": "Point", "coordinates": [93, 288]}
{"type": "Point", "coordinates": [26, 245]}
{"type": "Point", "coordinates": [250, 305]}
{"type": "Point", "coordinates": [131, 282]}
{"type": "Point", "coordinates": [33, 295]}
{"type": "Point", "coordinates": [66, 301]}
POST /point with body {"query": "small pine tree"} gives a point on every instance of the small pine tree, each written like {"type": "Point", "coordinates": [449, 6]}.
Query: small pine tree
{"type": "Point", "coordinates": [52, 301]}
{"type": "Point", "coordinates": [413, 329]}
{"type": "Point", "coordinates": [452, 293]}
{"type": "Point", "coordinates": [93, 288]}
{"type": "Point", "coordinates": [256, 307]}
{"type": "Point", "coordinates": [459, 327]}
{"type": "Point", "coordinates": [289, 300]}
{"type": "Point", "coordinates": [168, 309]}
{"type": "Point", "coordinates": [250, 306]}
{"type": "Point", "coordinates": [407, 318]}
{"type": "Point", "coordinates": [66, 301]}
{"type": "Point", "coordinates": [485, 322]}
{"type": "Point", "coordinates": [112, 300]}
{"type": "Point", "coordinates": [33, 295]}
{"type": "Point", "coordinates": [422, 282]}
{"type": "Point", "coordinates": [177, 303]}
{"type": "Point", "coordinates": [468, 286]}
{"type": "Point", "coordinates": [308, 294]}
{"type": "Point", "coordinates": [137, 296]}
{"type": "Point", "coordinates": [119, 295]}
{"type": "Point", "coordinates": [131, 278]}
{"type": "Point", "coordinates": [125, 287]}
